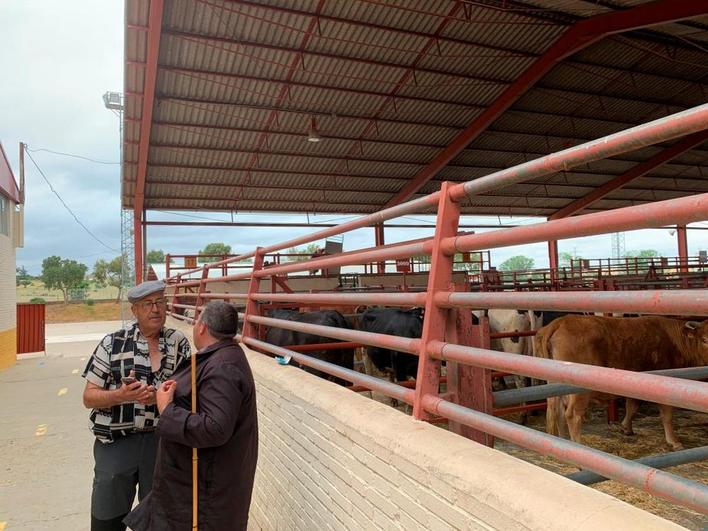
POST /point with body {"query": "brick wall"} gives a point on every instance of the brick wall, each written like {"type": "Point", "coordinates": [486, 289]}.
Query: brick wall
{"type": "Point", "coordinates": [8, 299]}
{"type": "Point", "coordinates": [330, 458]}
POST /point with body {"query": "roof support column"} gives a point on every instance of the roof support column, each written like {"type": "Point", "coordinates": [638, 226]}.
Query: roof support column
{"type": "Point", "coordinates": [148, 97]}
{"type": "Point", "coordinates": [138, 245]}
{"type": "Point", "coordinates": [379, 241]}
{"type": "Point", "coordinates": [682, 241]}
{"type": "Point", "coordinates": [553, 261]}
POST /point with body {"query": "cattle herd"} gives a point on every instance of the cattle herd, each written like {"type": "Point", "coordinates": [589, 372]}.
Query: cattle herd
{"type": "Point", "coordinates": [640, 343]}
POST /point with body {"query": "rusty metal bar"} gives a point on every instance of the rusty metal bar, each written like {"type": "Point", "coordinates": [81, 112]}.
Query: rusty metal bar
{"type": "Point", "coordinates": [313, 347]}
{"type": "Point", "coordinates": [656, 482]}
{"type": "Point", "coordinates": [661, 130]}
{"type": "Point", "coordinates": [402, 344]}
{"type": "Point", "coordinates": [672, 302]}
{"type": "Point", "coordinates": [659, 389]}
{"type": "Point", "coordinates": [243, 296]}
{"type": "Point", "coordinates": [357, 378]}
{"type": "Point", "coordinates": [383, 299]}
{"type": "Point", "coordinates": [502, 335]}
{"type": "Point", "coordinates": [674, 211]}
{"type": "Point", "coordinates": [540, 392]}
{"type": "Point", "coordinates": [407, 249]}
{"type": "Point", "coordinates": [682, 457]}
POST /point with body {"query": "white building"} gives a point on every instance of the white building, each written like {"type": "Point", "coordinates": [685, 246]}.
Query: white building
{"type": "Point", "coordinates": [11, 237]}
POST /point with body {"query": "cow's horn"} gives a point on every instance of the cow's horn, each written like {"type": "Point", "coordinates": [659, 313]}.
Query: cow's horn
{"type": "Point", "coordinates": [692, 324]}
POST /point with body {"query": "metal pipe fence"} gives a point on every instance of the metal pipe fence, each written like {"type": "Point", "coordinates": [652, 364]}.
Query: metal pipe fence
{"type": "Point", "coordinates": [445, 335]}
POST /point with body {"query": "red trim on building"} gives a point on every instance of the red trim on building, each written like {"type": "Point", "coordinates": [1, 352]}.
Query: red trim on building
{"type": "Point", "coordinates": [8, 184]}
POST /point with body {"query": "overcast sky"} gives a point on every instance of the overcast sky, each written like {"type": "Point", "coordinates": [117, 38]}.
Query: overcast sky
{"type": "Point", "coordinates": [58, 59]}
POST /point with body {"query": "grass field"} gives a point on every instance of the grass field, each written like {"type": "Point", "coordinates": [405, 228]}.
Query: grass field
{"type": "Point", "coordinates": [37, 289]}
{"type": "Point", "coordinates": [78, 312]}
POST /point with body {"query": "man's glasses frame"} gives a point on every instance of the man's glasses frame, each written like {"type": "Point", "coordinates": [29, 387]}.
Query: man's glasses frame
{"type": "Point", "coordinates": [147, 305]}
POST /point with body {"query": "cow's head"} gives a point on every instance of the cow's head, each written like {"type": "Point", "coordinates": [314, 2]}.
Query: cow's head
{"type": "Point", "coordinates": [698, 331]}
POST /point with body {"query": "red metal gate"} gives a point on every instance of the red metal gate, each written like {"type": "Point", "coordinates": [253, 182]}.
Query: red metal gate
{"type": "Point", "coordinates": [30, 328]}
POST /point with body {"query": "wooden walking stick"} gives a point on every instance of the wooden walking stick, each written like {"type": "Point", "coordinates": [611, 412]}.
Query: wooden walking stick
{"type": "Point", "coordinates": [195, 457]}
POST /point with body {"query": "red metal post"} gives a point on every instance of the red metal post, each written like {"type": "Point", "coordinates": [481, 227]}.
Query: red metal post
{"type": "Point", "coordinates": [434, 324]}
{"type": "Point", "coordinates": [379, 241]}
{"type": "Point", "coordinates": [470, 386]}
{"type": "Point", "coordinates": [175, 293]}
{"type": "Point", "coordinates": [200, 293]}
{"type": "Point", "coordinates": [553, 262]}
{"type": "Point", "coordinates": [148, 97]}
{"type": "Point", "coordinates": [249, 330]}
{"type": "Point", "coordinates": [682, 240]}
{"type": "Point", "coordinates": [138, 245]}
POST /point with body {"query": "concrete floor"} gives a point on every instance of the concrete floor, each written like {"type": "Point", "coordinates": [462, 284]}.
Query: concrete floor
{"type": "Point", "coordinates": [46, 447]}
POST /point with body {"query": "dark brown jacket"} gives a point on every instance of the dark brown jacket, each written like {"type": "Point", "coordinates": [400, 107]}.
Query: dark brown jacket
{"type": "Point", "coordinates": [224, 429]}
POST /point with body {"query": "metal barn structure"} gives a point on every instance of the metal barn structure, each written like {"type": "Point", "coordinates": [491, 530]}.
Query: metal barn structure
{"type": "Point", "coordinates": [591, 115]}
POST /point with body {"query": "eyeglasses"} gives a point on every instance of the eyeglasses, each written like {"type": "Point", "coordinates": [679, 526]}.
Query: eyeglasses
{"type": "Point", "coordinates": [147, 305]}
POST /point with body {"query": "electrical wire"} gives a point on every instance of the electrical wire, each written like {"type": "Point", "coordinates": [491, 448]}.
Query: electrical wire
{"type": "Point", "coordinates": [72, 155]}
{"type": "Point", "coordinates": [67, 206]}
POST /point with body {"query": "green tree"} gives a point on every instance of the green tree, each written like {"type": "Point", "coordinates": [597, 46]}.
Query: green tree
{"type": "Point", "coordinates": [517, 263]}
{"type": "Point", "coordinates": [214, 248]}
{"type": "Point", "coordinates": [642, 253]}
{"type": "Point", "coordinates": [156, 256]}
{"type": "Point", "coordinates": [473, 265]}
{"type": "Point", "coordinates": [644, 258]}
{"type": "Point", "coordinates": [306, 251]}
{"type": "Point", "coordinates": [565, 258]}
{"type": "Point", "coordinates": [63, 274]}
{"type": "Point", "coordinates": [22, 277]}
{"type": "Point", "coordinates": [109, 273]}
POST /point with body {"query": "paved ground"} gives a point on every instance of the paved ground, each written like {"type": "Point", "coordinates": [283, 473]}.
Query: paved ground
{"type": "Point", "coordinates": [46, 448]}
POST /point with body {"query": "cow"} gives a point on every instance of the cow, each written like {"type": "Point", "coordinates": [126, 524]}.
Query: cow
{"type": "Point", "coordinates": [395, 322]}
{"type": "Point", "coordinates": [634, 344]}
{"type": "Point", "coordinates": [283, 338]}
{"type": "Point", "coordinates": [502, 321]}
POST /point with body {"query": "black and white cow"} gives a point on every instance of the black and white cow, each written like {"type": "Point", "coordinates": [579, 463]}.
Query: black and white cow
{"type": "Point", "coordinates": [282, 338]}
{"type": "Point", "coordinates": [394, 322]}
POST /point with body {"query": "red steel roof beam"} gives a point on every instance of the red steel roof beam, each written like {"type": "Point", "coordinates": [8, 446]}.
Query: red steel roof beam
{"type": "Point", "coordinates": [637, 171]}
{"type": "Point", "coordinates": [153, 48]}
{"type": "Point", "coordinates": [579, 36]}
{"type": "Point", "coordinates": [391, 29]}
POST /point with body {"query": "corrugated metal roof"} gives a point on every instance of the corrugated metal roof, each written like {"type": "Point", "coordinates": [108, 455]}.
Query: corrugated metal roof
{"type": "Point", "coordinates": [389, 86]}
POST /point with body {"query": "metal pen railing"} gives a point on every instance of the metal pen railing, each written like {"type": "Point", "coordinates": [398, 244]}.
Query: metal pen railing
{"type": "Point", "coordinates": [444, 338]}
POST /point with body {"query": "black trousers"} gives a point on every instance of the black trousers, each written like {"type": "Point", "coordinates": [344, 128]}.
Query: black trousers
{"type": "Point", "coordinates": [126, 463]}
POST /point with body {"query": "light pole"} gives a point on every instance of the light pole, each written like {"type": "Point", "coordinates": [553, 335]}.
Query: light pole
{"type": "Point", "coordinates": [114, 102]}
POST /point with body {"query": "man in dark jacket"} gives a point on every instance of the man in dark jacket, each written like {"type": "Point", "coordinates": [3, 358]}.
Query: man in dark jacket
{"type": "Point", "coordinates": [224, 429]}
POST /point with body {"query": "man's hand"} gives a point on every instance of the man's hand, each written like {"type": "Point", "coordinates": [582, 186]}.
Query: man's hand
{"type": "Point", "coordinates": [135, 392]}
{"type": "Point", "coordinates": [149, 398]}
{"type": "Point", "coordinates": [165, 394]}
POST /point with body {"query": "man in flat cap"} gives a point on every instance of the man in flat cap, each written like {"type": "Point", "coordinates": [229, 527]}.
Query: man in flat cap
{"type": "Point", "coordinates": [122, 376]}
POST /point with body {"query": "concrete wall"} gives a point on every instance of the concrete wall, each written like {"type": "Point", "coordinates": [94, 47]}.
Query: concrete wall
{"type": "Point", "coordinates": [8, 293]}
{"type": "Point", "coordinates": [332, 458]}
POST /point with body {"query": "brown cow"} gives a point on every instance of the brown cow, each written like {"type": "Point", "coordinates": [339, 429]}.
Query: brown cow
{"type": "Point", "coordinates": [634, 344]}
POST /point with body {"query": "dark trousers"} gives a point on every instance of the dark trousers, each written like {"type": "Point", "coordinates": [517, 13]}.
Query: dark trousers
{"type": "Point", "coordinates": [120, 466]}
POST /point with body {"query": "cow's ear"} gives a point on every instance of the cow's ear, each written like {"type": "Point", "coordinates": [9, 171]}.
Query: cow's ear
{"type": "Point", "coordinates": [692, 325]}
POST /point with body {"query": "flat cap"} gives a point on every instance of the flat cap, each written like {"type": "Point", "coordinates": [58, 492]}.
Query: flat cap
{"type": "Point", "coordinates": [144, 289]}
